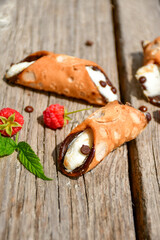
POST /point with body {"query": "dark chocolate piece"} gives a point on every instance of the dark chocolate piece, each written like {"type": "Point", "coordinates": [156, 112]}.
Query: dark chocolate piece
{"type": "Point", "coordinates": [63, 149]}
{"type": "Point", "coordinates": [114, 90]}
{"type": "Point", "coordinates": [89, 43]}
{"type": "Point", "coordinates": [155, 100]}
{"type": "Point", "coordinates": [142, 79]}
{"type": "Point", "coordinates": [85, 149]}
{"type": "Point", "coordinates": [148, 116]}
{"type": "Point", "coordinates": [29, 109]}
{"type": "Point", "coordinates": [143, 108]}
{"type": "Point", "coordinates": [103, 83]}
{"type": "Point", "coordinates": [109, 83]}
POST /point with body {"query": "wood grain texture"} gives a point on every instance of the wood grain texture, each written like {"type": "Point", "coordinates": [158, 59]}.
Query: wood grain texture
{"type": "Point", "coordinates": [140, 22]}
{"type": "Point", "coordinates": [97, 205]}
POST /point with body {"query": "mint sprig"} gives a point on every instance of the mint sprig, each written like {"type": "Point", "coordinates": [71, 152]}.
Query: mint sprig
{"type": "Point", "coordinates": [26, 155]}
{"type": "Point", "coordinates": [30, 160]}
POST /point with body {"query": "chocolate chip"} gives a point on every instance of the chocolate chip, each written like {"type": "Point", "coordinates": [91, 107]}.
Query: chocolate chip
{"type": "Point", "coordinates": [148, 116]}
{"type": "Point", "coordinates": [102, 83]}
{"type": "Point", "coordinates": [89, 43]}
{"type": "Point", "coordinates": [109, 83]}
{"type": "Point", "coordinates": [143, 108]}
{"type": "Point", "coordinates": [85, 149]}
{"type": "Point", "coordinates": [11, 64]}
{"type": "Point", "coordinates": [95, 68]}
{"type": "Point", "coordinates": [114, 90]}
{"type": "Point", "coordinates": [144, 87]}
{"type": "Point", "coordinates": [29, 109]}
{"type": "Point", "coordinates": [142, 79]}
{"type": "Point", "coordinates": [155, 100]}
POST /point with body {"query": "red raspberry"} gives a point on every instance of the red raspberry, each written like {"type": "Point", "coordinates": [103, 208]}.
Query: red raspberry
{"type": "Point", "coordinates": [11, 122]}
{"type": "Point", "coordinates": [55, 116]}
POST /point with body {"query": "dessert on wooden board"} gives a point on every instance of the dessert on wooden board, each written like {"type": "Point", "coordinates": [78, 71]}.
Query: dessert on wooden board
{"type": "Point", "coordinates": [63, 74]}
{"type": "Point", "coordinates": [104, 130]}
{"type": "Point", "coordinates": [149, 75]}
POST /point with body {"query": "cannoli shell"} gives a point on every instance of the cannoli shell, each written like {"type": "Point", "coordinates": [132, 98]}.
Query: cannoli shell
{"type": "Point", "coordinates": [112, 125]}
{"type": "Point", "coordinates": [61, 74]}
{"type": "Point", "coordinates": [152, 52]}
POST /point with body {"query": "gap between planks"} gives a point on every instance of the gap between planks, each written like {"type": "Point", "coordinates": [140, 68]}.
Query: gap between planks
{"type": "Point", "coordinates": [139, 213]}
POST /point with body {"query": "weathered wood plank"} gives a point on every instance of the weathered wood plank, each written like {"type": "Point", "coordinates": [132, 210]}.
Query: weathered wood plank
{"type": "Point", "coordinates": [137, 21]}
{"type": "Point", "coordinates": [98, 205]}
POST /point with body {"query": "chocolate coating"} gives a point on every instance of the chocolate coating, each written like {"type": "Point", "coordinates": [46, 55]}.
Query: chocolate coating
{"type": "Point", "coordinates": [95, 68]}
{"type": "Point", "coordinates": [63, 149]}
{"type": "Point", "coordinates": [35, 57]}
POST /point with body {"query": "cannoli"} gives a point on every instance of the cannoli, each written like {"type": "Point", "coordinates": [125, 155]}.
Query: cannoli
{"type": "Point", "coordinates": [104, 130]}
{"type": "Point", "coordinates": [151, 51]}
{"type": "Point", "coordinates": [149, 75]}
{"type": "Point", "coordinates": [65, 75]}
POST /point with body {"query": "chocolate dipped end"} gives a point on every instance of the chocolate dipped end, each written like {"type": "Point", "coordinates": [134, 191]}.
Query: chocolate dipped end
{"type": "Point", "coordinates": [31, 58]}
{"type": "Point", "coordinates": [79, 171]}
{"type": "Point", "coordinates": [35, 56]}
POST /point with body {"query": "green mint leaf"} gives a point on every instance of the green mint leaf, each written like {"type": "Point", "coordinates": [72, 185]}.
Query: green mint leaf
{"type": "Point", "coordinates": [7, 146]}
{"type": "Point", "coordinates": [30, 160]}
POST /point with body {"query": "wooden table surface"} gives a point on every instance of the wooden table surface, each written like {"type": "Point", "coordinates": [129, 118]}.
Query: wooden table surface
{"type": "Point", "coordinates": [120, 198]}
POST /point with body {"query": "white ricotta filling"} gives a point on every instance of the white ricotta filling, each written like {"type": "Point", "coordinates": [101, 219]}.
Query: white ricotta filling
{"type": "Point", "coordinates": [17, 68]}
{"type": "Point", "coordinates": [73, 157]}
{"type": "Point", "coordinates": [145, 43]}
{"type": "Point", "coordinates": [152, 74]}
{"type": "Point", "coordinates": [96, 77]}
